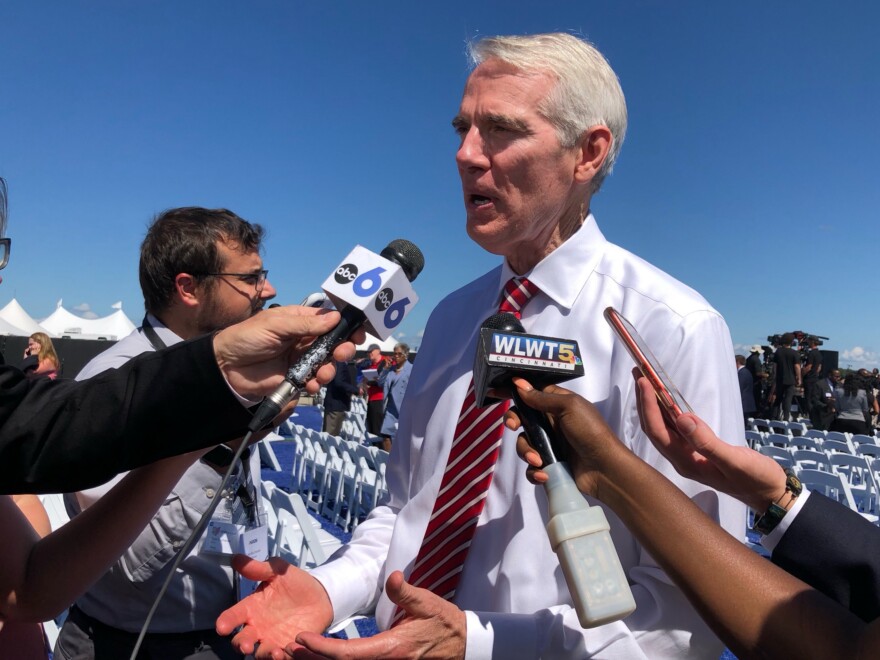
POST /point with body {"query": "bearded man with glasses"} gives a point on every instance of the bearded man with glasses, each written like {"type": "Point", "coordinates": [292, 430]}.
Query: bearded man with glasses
{"type": "Point", "coordinates": [200, 271]}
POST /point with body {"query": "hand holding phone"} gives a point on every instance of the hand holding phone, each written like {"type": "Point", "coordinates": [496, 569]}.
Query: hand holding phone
{"type": "Point", "coordinates": [671, 400]}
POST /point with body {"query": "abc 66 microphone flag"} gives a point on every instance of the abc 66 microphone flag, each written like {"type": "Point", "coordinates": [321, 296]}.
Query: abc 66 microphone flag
{"type": "Point", "coordinates": [376, 286]}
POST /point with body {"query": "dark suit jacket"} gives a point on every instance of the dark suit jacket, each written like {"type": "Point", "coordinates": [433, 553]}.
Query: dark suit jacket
{"type": "Point", "coordinates": [65, 436]}
{"type": "Point", "coordinates": [822, 405]}
{"type": "Point", "coordinates": [836, 551]}
{"type": "Point", "coordinates": [746, 389]}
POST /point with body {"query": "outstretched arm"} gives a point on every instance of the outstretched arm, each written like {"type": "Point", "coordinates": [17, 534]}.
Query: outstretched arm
{"type": "Point", "coordinates": [753, 606]}
{"type": "Point", "coordinates": [58, 436]}
{"type": "Point", "coordinates": [36, 580]}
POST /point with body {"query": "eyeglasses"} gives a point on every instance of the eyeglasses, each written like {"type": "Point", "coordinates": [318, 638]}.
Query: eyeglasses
{"type": "Point", "coordinates": [5, 246]}
{"type": "Point", "coordinates": [256, 280]}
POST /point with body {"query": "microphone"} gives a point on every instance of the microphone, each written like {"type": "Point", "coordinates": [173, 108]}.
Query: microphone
{"type": "Point", "coordinates": [369, 290]}
{"type": "Point", "coordinates": [578, 533]}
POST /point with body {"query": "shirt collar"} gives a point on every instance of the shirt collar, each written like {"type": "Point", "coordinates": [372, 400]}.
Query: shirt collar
{"type": "Point", "coordinates": [164, 333]}
{"type": "Point", "coordinates": [563, 273]}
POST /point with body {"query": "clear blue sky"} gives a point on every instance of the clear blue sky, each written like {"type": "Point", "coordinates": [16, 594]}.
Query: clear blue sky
{"type": "Point", "coordinates": [749, 169]}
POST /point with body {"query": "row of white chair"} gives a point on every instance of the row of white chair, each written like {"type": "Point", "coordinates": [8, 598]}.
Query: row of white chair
{"type": "Point", "coordinates": [859, 474]}
{"type": "Point", "coordinates": [343, 479]}
{"type": "Point", "coordinates": [831, 441]}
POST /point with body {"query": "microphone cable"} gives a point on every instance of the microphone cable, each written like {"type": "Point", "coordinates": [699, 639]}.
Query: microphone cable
{"type": "Point", "coordinates": [196, 534]}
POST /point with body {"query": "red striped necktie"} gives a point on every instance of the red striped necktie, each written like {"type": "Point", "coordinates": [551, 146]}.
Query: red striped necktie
{"type": "Point", "coordinates": [466, 480]}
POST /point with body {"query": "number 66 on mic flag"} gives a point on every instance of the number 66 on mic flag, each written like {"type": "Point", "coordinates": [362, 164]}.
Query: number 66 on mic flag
{"type": "Point", "coordinates": [375, 285]}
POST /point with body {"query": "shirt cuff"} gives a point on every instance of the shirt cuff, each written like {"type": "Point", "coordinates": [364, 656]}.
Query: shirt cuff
{"type": "Point", "coordinates": [770, 541]}
{"type": "Point", "coordinates": [247, 403]}
{"type": "Point", "coordinates": [488, 636]}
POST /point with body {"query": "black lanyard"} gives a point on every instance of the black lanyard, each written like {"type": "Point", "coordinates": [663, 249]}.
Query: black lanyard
{"type": "Point", "coordinates": [152, 336]}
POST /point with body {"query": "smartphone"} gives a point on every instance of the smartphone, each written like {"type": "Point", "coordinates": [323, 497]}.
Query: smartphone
{"type": "Point", "coordinates": [671, 400]}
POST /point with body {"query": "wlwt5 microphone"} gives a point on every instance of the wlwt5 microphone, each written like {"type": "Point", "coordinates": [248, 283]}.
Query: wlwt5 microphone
{"type": "Point", "coordinates": [579, 534]}
{"type": "Point", "coordinates": [369, 290]}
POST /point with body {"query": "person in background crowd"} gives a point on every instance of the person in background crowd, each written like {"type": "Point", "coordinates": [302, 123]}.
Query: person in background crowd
{"type": "Point", "coordinates": [373, 390]}
{"type": "Point", "coordinates": [823, 407]}
{"type": "Point", "coordinates": [337, 399]}
{"type": "Point", "coordinates": [788, 378]}
{"type": "Point", "coordinates": [867, 385]}
{"type": "Point", "coordinates": [811, 371]}
{"type": "Point", "coordinates": [755, 365]}
{"type": "Point", "coordinates": [746, 388]}
{"type": "Point", "coordinates": [851, 402]}
{"type": "Point", "coordinates": [394, 381]}
{"type": "Point", "coordinates": [40, 358]}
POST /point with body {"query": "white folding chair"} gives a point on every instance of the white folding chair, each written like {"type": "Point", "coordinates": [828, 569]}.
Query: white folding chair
{"type": "Point", "coordinates": [859, 439]}
{"type": "Point", "coordinates": [762, 425]}
{"type": "Point", "coordinates": [857, 472]}
{"type": "Point", "coordinates": [796, 429]}
{"type": "Point", "coordinates": [831, 446]}
{"type": "Point", "coordinates": [777, 426]}
{"type": "Point", "coordinates": [811, 459]}
{"type": "Point", "coordinates": [778, 439]}
{"type": "Point", "coordinates": [268, 459]}
{"type": "Point", "coordinates": [837, 435]}
{"type": "Point", "coordinates": [778, 454]}
{"type": "Point", "coordinates": [818, 434]}
{"type": "Point", "coordinates": [754, 439]}
{"type": "Point", "coordinates": [830, 484]}
{"type": "Point", "coordinates": [805, 442]}
{"type": "Point", "coordinates": [869, 450]}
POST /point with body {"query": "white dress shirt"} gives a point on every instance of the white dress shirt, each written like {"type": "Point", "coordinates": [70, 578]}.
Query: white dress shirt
{"type": "Point", "coordinates": [512, 588]}
{"type": "Point", "coordinates": [202, 587]}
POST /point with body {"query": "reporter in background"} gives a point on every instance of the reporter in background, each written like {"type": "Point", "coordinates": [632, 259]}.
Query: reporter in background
{"type": "Point", "coordinates": [756, 608]}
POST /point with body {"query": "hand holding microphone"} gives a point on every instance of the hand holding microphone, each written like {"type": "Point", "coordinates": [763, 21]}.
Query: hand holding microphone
{"type": "Point", "coordinates": [579, 533]}
{"type": "Point", "coordinates": [369, 290]}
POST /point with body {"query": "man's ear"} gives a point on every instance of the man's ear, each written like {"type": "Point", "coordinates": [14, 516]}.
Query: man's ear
{"type": "Point", "coordinates": [187, 290]}
{"type": "Point", "coordinates": [592, 151]}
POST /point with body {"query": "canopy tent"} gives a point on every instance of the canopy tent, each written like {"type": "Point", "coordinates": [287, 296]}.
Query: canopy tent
{"type": "Point", "coordinates": [63, 323]}
{"type": "Point", "coordinates": [6, 328]}
{"type": "Point", "coordinates": [386, 346]}
{"type": "Point", "coordinates": [14, 314]}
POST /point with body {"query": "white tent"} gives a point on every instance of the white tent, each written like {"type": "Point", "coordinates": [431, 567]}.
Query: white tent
{"type": "Point", "coordinates": [15, 315]}
{"type": "Point", "coordinates": [6, 328]}
{"type": "Point", "coordinates": [115, 326]}
{"type": "Point", "coordinates": [386, 346]}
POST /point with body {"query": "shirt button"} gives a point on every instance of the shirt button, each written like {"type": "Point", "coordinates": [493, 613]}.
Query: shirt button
{"type": "Point", "coordinates": [176, 544]}
{"type": "Point", "coordinates": [209, 493]}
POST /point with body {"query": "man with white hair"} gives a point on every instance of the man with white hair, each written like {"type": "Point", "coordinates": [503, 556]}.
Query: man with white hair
{"type": "Point", "coordinates": [540, 124]}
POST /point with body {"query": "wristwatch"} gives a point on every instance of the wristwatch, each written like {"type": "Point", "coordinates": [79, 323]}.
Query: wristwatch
{"type": "Point", "coordinates": [776, 512]}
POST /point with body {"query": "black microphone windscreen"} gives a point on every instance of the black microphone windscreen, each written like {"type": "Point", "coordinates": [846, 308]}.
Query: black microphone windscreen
{"type": "Point", "coordinates": [406, 255]}
{"type": "Point", "coordinates": [504, 321]}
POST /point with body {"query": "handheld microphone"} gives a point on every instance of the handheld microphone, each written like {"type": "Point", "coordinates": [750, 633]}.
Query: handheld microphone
{"type": "Point", "coordinates": [579, 534]}
{"type": "Point", "coordinates": [368, 290]}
